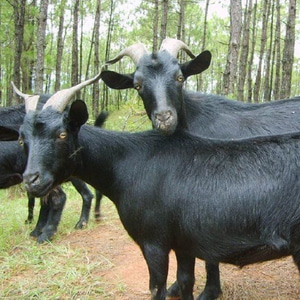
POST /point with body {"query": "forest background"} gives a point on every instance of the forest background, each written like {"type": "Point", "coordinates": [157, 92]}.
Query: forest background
{"type": "Point", "coordinates": [48, 45]}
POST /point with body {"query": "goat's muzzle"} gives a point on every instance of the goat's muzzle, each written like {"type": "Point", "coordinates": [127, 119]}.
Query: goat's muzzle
{"type": "Point", "coordinates": [36, 185]}
{"type": "Point", "coordinates": [165, 121]}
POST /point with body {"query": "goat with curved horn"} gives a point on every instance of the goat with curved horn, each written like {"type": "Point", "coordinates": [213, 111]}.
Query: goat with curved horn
{"type": "Point", "coordinates": [173, 46]}
{"type": "Point", "coordinates": [30, 100]}
{"type": "Point", "coordinates": [61, 99]}
{"type": "Point", "coordinates": [135, 52]}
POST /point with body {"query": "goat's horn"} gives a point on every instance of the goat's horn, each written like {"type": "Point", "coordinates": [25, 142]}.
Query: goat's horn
{"type": "Point", "coordinates": [135, 52]}
{"type": "Point", "coordinates": [61, 99]}
{"type": "Point", "coordinates": [30, 100]}
{"type": "Point", "coordinates": [173, 46]}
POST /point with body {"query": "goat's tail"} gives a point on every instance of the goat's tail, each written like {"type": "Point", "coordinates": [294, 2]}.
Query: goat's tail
{"type": "Point", "coordinates": [101, 118]}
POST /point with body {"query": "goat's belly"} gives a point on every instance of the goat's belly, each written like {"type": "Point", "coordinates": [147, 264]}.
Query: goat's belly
{"type": "Point", "coordinates": [255, 255]}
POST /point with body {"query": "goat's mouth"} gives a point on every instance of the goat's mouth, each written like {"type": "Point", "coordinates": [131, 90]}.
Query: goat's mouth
{"type": "Point", "coordinates": [39, 188]}
{"type": "Point", "coordinates": [165, 122]}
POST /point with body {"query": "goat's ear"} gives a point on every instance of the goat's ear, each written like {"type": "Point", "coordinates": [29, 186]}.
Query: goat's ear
{"type": "Point", "coordinates": [197, 65]}
{"type": "Point", "coordinates": [78, 114]}
{"type": "Point", "coordinates": [9, 132]}
{"type": "Point", "coordinates": [117, 81]}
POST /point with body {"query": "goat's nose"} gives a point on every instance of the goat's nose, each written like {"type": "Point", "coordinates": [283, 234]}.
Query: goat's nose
{"type": "Point", "coordinates": [31, 178]}
{"type": "Point", "coordinates": [163, 116]}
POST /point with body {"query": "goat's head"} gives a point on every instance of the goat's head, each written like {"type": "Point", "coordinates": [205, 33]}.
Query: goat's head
{"type": "Point", "coordinates": [49, 138]}
{"type": "Point", "coordinates": [159, 79]}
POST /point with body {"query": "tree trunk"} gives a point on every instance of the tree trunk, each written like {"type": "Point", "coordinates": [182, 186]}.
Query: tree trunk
{"type": "Point", "coordinates": [104, 103]}
{"type": "Point", "coordinates": [251, 58]}
{"type": "Point", "coordinates": [40, 47]}
{"type": "Point", "coordinates": [244, 51]}
{"type": "Point", "coordinates": [74, 69]}
{"type": "Point", "coordinates": [96, 92]}
{"type": "Point", "coordinates": [164, 19]}
{"type": "Point", "coordinates": [200, 81]}
{"type": "Point", "coordinates": [155, 26]}
{"type": "Point", "coordinates": [59, 47]}
{"type": "Point", "coordinates": [277, 52]}
{"type": "Point", "coordinates": [268, 73]}
{"type": "Point", "coordinates": [229, 77]}
{"type": "Point", "coordinates": [19, 20]}
{"type": "Point", "coordinates": [263, 40]}
{"type": "Point", "coordinates": [288, 52]}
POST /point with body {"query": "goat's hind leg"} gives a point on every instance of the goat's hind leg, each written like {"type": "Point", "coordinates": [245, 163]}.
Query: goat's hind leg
{"type": "Point", "coordinates": [158, 262]}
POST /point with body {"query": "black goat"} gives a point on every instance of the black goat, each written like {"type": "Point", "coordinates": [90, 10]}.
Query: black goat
{"type": "Point", "coordinates": [12, 165]}
{"type": "Point", "coordinates": [222, 201]}
{"type": "Point", "coordinates": [159, 79]}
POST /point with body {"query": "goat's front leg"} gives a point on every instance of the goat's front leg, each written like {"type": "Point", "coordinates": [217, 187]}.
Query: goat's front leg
{"type": "Point", "coordinates": [87, 198]}
{"type": "Point", "coordinates": [158, 261]}
{"type": "Point", "coordinates": [57, 199]}
{"type": "Point", "coordinates": [43, 217]}
{"type": "Point", "coordinates": [185, 275]}
{"type": "Point", "coordinates": [31, 203]}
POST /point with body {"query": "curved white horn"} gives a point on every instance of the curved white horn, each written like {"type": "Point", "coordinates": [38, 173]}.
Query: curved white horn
{"type": "Point", "coordinates": [61, 99]}
{"type": "Point", "coordinates": [30, 100]}
{"type": "Point", "coordinates": [135, 52]}
{"type": "Point", "coordinates": [173, 46]}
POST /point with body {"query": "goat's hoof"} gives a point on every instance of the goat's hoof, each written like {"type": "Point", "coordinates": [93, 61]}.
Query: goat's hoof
{"type": "Point", "coordinates": [81, 225]}
{"type": "Point", "coordinates": [173, 291]}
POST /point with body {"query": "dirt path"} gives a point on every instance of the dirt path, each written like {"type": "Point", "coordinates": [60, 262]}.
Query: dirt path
{"type": "Point", "coordinates": [126, 276]}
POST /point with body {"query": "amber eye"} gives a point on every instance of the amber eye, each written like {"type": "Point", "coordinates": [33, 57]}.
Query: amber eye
{"type": "Point", "coordinates": [137, 86]}
{"type": "Point", "coordinates": [62, 135]}
{"type": "Point", "coordinates": [21, 141]}
{"type": "Point", "coordinates": [180, 78]}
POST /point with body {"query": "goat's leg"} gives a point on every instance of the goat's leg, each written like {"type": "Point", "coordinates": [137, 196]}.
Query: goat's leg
{"type": "Point", "coordinates": [42, 219]}
{"type": "Point", "coordinates": [56, 199]}
{"type": "Point", "coordinates": [97, 205]}
{"type": "Point", "coordinates": [185, 275]}
{"type": "Point", "coordinates": [212, 288]}
{"type": "Point", "coordinates": [158, 261]}
{"type": "Point", "coordinates": [31, 202]}
{"type": "Point", "coordinates": [87, 198]}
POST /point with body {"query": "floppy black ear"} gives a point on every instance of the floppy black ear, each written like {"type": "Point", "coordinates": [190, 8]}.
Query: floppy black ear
{"type": "Point", "coordinates": [197, 65]}
{"type": "Point", "coordinates": [78, 114]}
{"type": "Point", "coordinates": [9, 132]}
{"type": "Point", "coordinates": [116, 80]}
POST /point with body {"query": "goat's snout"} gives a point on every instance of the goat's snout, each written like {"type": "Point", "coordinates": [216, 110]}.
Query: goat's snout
{"type": "Point", "coordinates": [31, 179]}
{"type": "Point", "coordinates": [165, 121]}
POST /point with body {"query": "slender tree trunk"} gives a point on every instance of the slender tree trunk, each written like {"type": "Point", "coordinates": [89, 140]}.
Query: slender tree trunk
{"type": "Point", "coordinates": [229, 77]}
{"type": "Point", "coordinates": [277, 52]}
{"type": "Point", "coordinates": [263, 40]}
{"type": "Point", "coordinates": [28, 62]}
{"type": "Point", "coordinates": [251, 58]}
{"type": "Point", "coordinates": [164, 19]}
{"type": "Point", "coordinates": [104, 103]}
{"type": "Point", "coordinates": [19, 20]}
{"type": "Point", "coordinates": [200, 80]}
{"type": "Point", "coordinates": [74, 69]}
{"type": "Point", "coordinates": [244, 51]}
{"type": "Point", "coordinates": [155, 26]}
{"type": "Point", "coordinates": [268, 73]}
{"type": "Point", "coordinates": [41, 45]}
{"type": "Point", "coordinates": [59, 47]}
{"type": "Point", "coordinates": [96, 92]}
{"type": "Point", "coordinates": [288, 51]}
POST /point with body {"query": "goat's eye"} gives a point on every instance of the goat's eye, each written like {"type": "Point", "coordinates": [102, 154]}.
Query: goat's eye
{"type": "Point", "coordinates": [62, 135]}
{"type": "Point", "coordinates": [137, 86]}
{"type": "Point", "coordinates": [21, 141]}
{"type": "Point", "coordinates": [180, 78]}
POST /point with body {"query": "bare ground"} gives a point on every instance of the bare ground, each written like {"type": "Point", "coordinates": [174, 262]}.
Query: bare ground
{"type": "Point", "coordinates": [126, 277]}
